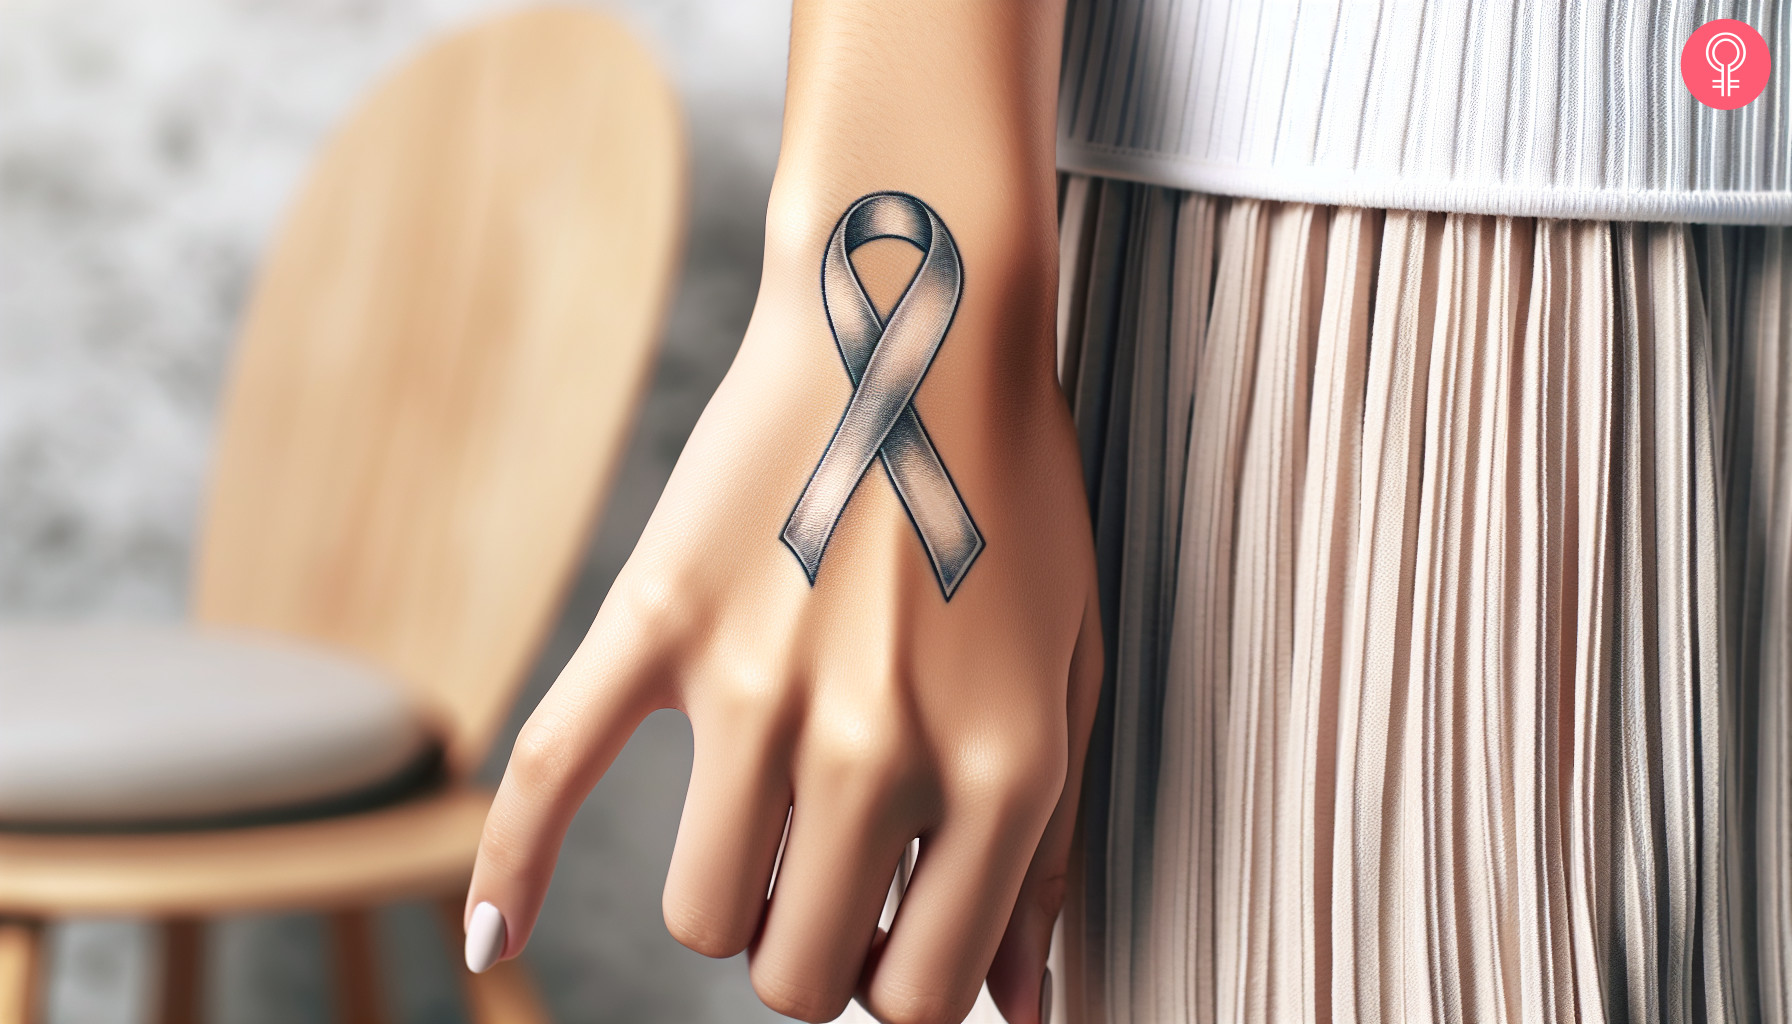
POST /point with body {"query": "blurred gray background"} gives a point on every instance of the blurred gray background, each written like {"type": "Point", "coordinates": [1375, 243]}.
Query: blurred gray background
{"type": "Point", "coordinates": [146, 153]}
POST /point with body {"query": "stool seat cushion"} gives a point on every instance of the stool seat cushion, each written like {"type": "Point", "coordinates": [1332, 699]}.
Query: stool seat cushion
{"type": "Point", "coordinates": [134, 726]}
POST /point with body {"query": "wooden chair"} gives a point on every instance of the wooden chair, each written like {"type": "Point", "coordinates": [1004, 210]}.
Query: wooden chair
{"type": "Point", "coordinates": [435, 381]}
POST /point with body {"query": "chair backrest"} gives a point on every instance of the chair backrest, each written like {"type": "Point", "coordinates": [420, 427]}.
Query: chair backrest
{"type": "Point", "coordinates": [442, 361]}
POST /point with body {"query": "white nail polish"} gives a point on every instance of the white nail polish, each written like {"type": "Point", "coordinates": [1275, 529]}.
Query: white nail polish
{"type": "Point", "coordinates": [1045, 997]}
{"type": "Point", "coordinates": [485, 938]}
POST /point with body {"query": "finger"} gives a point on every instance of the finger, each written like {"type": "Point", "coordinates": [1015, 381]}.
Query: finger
{"type": "Point", "coordinates": [961, 904]}
{"type": "Point", "coordinates": [563, 749]}
{"type": "Point", "coordinates": [1017, 974]}
{"type": "Point", "coordinates": [951, 917]}
{"type": "Point", "coordinates": [846, 839]}
{"type": "Point", "coordinates": [728, 837]}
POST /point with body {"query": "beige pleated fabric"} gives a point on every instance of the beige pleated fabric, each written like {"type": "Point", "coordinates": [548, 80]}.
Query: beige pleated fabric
{"type": "Point", "coordinates": [1446, 565]}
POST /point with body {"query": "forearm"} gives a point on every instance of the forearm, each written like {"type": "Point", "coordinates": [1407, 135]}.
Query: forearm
{"type": "Point", "coordinates": [948, 100]}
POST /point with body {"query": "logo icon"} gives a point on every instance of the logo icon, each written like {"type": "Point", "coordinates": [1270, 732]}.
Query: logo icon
{"type": "Point", "coordinates": [1725, 82]}
{"type": "Point", "coordinates": [1725, 64]}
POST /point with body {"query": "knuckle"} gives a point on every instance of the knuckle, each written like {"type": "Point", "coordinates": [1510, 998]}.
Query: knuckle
{"type": "Point", "coordinates": [875, 757]}
{"type": "Point", "coordinates": [645, 618]}
{"type": "Point", "coordinates": [1017, 778]}
{"type": "Point", "coordinates": [541, 758]}
{"type": "Point", "coordinates": [650, 601]}
{"type": "Point", "coordinates": [789, 993]}
{"type": "Point", "coordinates": [747, 695]}
{"type": "Point", "coordinates": [901, 1002]}
{"type": "Point", "coordinates": [701, 929]}
{"type": "Point", "coordinates": [1049, 890]}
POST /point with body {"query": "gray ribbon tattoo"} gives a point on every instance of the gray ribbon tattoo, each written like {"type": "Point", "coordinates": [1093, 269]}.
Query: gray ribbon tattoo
{"type": "Point", "coordinates": [885, 358]}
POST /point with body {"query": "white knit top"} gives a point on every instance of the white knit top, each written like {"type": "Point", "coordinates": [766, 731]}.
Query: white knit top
{"type": "Point", "coordinates": [1558, 108]}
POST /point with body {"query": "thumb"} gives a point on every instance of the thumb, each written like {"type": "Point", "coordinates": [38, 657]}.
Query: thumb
{"type": "Point", "coordinates": [1017, 977]}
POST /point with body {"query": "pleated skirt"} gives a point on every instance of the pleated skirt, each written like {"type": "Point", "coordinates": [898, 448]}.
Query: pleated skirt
{"type": "Point", "coordinates": [1446, 571]}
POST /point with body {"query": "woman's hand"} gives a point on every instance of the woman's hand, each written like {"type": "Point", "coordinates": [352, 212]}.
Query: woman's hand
{"type": "Point", "coordinates": [868, 707]}
{"type": "Point", "coordinates": [865, 709]}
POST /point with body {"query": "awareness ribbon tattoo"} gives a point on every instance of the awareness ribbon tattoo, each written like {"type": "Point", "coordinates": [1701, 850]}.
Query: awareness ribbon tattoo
{"type": "Point", "coordinates": [885, 358]}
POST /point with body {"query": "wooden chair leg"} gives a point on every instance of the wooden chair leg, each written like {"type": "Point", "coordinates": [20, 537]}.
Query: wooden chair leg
{"type": "Point", "coordinates": [355, 956]}
{"type": "Point", "coordinates": [21, 971]}
{"type": "Point", "coordinates": [182, 996]}
{"type": "Point", "coordinates": [502, 995]}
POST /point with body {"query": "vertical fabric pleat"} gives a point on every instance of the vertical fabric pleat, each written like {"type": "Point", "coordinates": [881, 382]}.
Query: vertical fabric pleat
{"type": "Point", "coordinates": [1126, 352]}
{"type": "Point", "coordinates": [1328, 529]}
{"type": "Point", "coordinates": [1445, 564]}
{"type": "Point", "coordinates": [1198, 674]}
{"type": "Point", "coordinates": [1258, 715]}
{"type": "Point", "coordinates": [1374, 867]}
{"type": "Point", "coordinates": [1767, 375]}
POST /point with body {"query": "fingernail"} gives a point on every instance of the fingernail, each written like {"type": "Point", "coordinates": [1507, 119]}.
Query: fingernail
{"type": "Point", "coordinates": [1045, 997]}
{"type": "Point", "coordinates": [485, 938]}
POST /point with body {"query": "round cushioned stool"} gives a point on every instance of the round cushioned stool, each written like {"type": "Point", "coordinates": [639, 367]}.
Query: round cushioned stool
{"type": "Point", "coordinates": [143, 727]}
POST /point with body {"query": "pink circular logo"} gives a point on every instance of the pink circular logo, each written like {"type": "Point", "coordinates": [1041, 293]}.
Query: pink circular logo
{"type": "Point", "coordinates": [1725, 64]}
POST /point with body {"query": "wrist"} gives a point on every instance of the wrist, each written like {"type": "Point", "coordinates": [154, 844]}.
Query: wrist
{"type": "Point", "coordinates": [949, 102]}
{"type": "Point", "coordinates": [1006, 215]}
{"type": "Point", "coordinates": [1005, 242]}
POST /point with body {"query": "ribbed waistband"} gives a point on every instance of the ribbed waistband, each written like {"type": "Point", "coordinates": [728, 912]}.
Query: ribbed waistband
{"type": "Point", "coordinates": [1545, 108]}
{"type": "Point", "coordinates": [1330, 188]}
